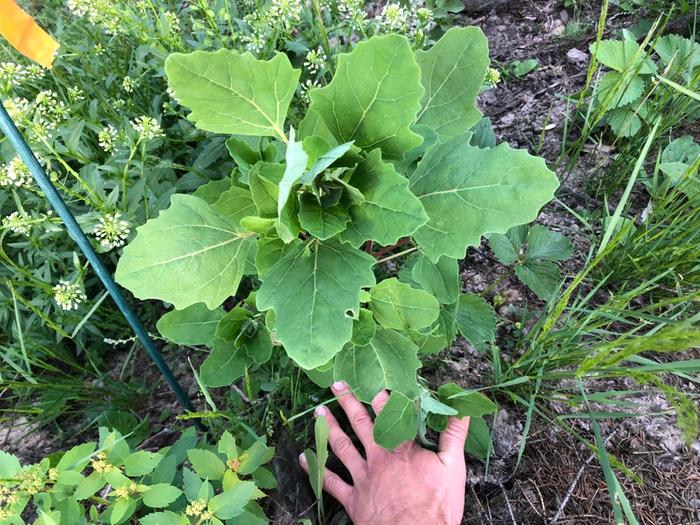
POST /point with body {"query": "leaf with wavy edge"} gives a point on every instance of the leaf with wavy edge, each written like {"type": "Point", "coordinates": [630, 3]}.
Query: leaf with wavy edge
{"type": "Point", "coordinates": [453, 71]}
{"type": "Point", "coordinates": [234, 93]}
{"type": "Point", "coordinates": [373, 99]}
{"type": "Point", "coordinates": [388, 361]}
{"type": "Point", "coordinates": [468, 192]}
{"type": "Point", "coordinates": [314, 290]}
{"type": "Point", "coordinates": [189, 254]}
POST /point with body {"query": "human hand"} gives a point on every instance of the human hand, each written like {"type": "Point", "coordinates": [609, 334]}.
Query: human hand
{"type": "Point", "coordinates": [410, 485]}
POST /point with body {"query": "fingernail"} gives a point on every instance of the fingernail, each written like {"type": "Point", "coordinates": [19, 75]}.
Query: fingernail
{"type": "Point", "coordinates": [320, 411]}
{"type": "Point", "coordinates": [340, 386]}
{"type": "Point", "coordinates": [302, 458]}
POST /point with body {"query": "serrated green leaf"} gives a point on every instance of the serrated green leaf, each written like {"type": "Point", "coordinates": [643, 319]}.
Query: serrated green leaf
{"type": "Point", "coordinates": [508, 247]}
{"type": "Point", "coordinates": [373, 98]}
{"type": "Point", "coordinates": [74, 459]}
{"type": "Point", "coordinates": [397, 422]}
{"type": "Point", "coordinates": [624, 122]}
{"type": "Point", "coordinates": [254, 456]}
{"type": "Point", "coordinates": [314, 291]}
{"type": "Point", "coordinates": [192, 240]}
{"type": "Point", "coordinates": [453, 71]}
{"type": "Point", "coordinates": [440, 279]}
{"type": "Point", "coordinates": [682, 54]}
{"type": "Point", "coordinates": [548, 245]}
{"type": "Point", "coordinates": [89, 485]}
{"type": "Point", "coordinates": [206, 464]}
{"type": "Point", "coordinates": [388, 361]}
{"type": "Point", "coordinates": [141, 462]}
{"type": "Point", "coordinates": [616, 90]}
{"type": "Point", "coordinates": [321, 222]}
{"type": "Point", "coordinates": [542, 277]}
{"type": "Point", "coordinates": [622, 54]}
{"type": "Point", "coordinates": [165, 517]}
{"type": "Point", "coordinates": [468, 192]}
{"type": "Point", "coordinates": [398, 305]}
{"type": "Point", "coordinates": [475, 319]}
{"type": "Point", "coordinates": [227, 445]}
{"type": "Point", "coordinates": [195, 325]}
{"type": "Point", "coordinates": [388, 210]}
{"type": "Point", "coordinates": [160, 495]}
{"type": "Point", "coordinates": [233, 93]}
{"type": "Point", "coordinates": [231, 503]}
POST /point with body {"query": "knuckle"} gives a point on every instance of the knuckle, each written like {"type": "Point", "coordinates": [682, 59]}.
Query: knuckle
{"type": "Point", "coordinates": [342, 445]}
{"type": "Point", "coordinates": [331, 483]}
{"type": "Point", "coordinates": [360, 419]}
{"type": "Point", "coordinates": [455, 432]}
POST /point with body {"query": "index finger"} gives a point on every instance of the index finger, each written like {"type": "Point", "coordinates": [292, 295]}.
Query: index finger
{"type": "Point", "coordinates": [359, 418]}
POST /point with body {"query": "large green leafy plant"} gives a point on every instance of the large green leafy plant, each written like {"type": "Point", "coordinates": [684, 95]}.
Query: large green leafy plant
{"type": "Point", "coordinates": [301, 234]}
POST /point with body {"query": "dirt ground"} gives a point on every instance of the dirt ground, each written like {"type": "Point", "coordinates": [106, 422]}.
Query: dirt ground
{"type": "Point", "coordinates": [558, 480]}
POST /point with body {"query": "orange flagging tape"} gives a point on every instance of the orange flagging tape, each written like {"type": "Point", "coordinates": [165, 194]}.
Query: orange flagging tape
{"type": "Point", "coordinates": [25, 35]}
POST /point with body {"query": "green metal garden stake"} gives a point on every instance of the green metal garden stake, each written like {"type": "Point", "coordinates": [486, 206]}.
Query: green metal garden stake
{"type": "Point", "coordinates": [17, 140]}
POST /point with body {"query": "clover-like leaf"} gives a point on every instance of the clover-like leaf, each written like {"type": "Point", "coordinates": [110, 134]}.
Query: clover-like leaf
{"type": "Point", "coordinates": [233, 93]}
{"type": "Point", "coordinates": [453, 71]}
{"type": "Point", "coordinates": [467, 192]}
{"type": "Point", "coordinates": [314, 290]}
{"type": "Point", "coordinates": [388, 361]}
{"type": "Point", "coordinates": [388, 210]}
{"type": "Point", "coordinates": [373, 98]}
{"type": "Point", "coordinates": [192, 242]}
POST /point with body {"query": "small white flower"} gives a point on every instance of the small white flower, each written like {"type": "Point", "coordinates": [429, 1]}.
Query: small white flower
{"type": "Point", "coordinates": [17, 108]}
{"type": "Point", "coordinates": [305, 87]}
{"type": "Point", "coordinates": [394, 18]}
{"type": "Point", "coordinates": [17, 223]}
{"type": "Point", "coordinates": [128, 84]}
{"type": "Point", "coordinates": [173, 21]}
{"type": "Point", "coordinates": [98, 50]}
{"type": "Point", "coordinates": [147, 127]}
{"type": "Point", "coordinates": [315, 60]}
{"type": "Point", "coordinates": [68, 296]}
{"type": "Point", "coordinates": [15, 174]}
{"type": "Point", "coordinates": [111, 231]}
{"type": "Point", "coordinates": [75, 94]}
{"type": "Point", "coordinates": [106, 138]}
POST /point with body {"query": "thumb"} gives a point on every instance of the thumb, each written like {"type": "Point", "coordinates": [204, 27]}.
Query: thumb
{"type": "Point", "coordinates": [452, 439]}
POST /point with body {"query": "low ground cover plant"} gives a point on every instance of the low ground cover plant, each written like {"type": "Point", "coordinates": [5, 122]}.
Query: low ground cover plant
{"type": "Point", "coordinates": [380, 168]}
{"type": "Point", "coordinates": [109, 482]}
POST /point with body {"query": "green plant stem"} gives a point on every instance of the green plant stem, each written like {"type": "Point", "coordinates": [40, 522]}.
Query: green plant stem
{"type": "Point", "coordinates": [394, 256]}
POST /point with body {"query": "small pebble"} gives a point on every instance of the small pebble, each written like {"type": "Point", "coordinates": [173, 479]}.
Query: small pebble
{"type": "Point", "coordinates": [576, 56]}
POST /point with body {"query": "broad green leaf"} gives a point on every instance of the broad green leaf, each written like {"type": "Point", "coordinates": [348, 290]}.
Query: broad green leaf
{"type": "Point", "coordinates": [433, 406]}
{"type": "Point", "coordinates": [483, 135]}
{"type": "Point", "coordinates": [388, 361]}
{"type": "Point", "coordinates": [363, 328]}
{"type": "Point", "coordinates": [258, 346]}
{"type": "Point", "coordinates": [295, 166]}
{"type": "Point", "coordinates": [227, 445]}
{"type": "Point", "coordinates": [118, 510]}
{"type": "Point", "coordinates": [89, 486]}
{"type": "Point", "coordinates": [548, 245]}
{"type": "Point", "coordinates": [195, 325]}
{"type": "Point", "coordinates": [388, 210]}
{"type": "Point", "coordinates": [373, 98]}
{"type": "Point", "coordinates": [254, 456]}
{"type": "Point", "coordinates": [141, 462]}
{"type": "Point", "coordinates": [192, 241]}
{"type": "Point", "coordinates": [316, 461]}
{"type": "Point", "coordinates": [235, 203]}
{"type": "Point", "coordinates": [206, 464]}
{"type": "Point", "coordinates": [76, 459]}
{"type": "Point", "coordinates": [165, 517]}
{"type": "Point", "coordinates": [397, 422]}
{"type": "Point", "coordinates": [475, 319]}
{"type": "Point", "coordinates": [478, 439]}
{"type": "Point", "coordinates": [160, 495]}
{"type": "Point", "coordinates": [191, 484]}
{"type": "Point", "coordinates": [114, 444]}
{"type": "Point", "coordinates": [321, 222]}
{"type": "Point", "coordinates": [440, 279]}
{"type": "Point", "coordinates": [468, 192]}
{"type": "Point", "coordinates": [314, 290]}
{"type": "Point", "coordinates": [681, 53]}
{"type": "Point", "coordinates": [323, 375]}
{"type": "Point", "coordinates": [231, 503]}
{"type": "Point", "coordinates": [9, 465]}
{"type": "Point", "coordinates": [542, 277]}
{"type": "Point", "coordinates": [233, 93]}
{"type": "Point", "coordinates": [398, 305]}
{"type": "Point", "coordinates": [212, 190]}
{"type": "Point", "coordinates": [622, 54]}
{"type": "Point", "coordinates": [679, 164]}
{"type": "Point", "coordinates": [265, 179]}
{"type": "Point", "coordinates": [226, 362]}
{"type": "Point", "coordinates": [616, 90]}
{"type": "Point", "coordinates": [472, 404]}
{"type": "Point", "coordinates": [270, 251]}
{"type": "Point", "coordinates": [453, 71]}
{"type": "Point", "coordinates": [264, 478]}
